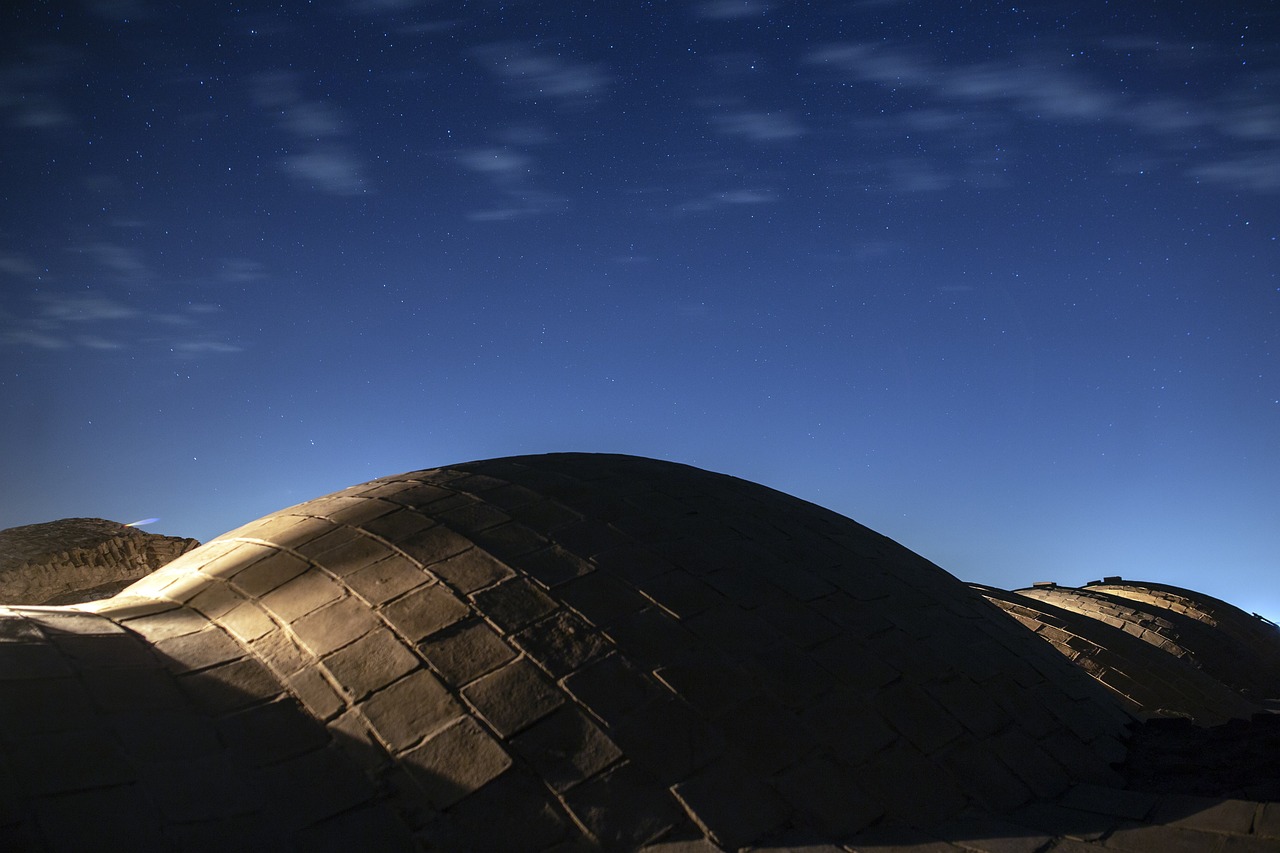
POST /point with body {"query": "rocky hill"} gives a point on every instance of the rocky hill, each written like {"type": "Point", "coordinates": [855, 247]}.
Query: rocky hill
{"type": "Point", "coordinates": [79, 559]}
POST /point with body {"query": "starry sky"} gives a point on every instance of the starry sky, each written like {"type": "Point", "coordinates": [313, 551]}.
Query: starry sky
{"type": "Point", "coordinates": [998, 281]}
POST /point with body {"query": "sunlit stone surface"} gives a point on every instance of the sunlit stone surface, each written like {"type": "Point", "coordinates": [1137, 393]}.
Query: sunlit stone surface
{"type": "Point", "coordinates": [593, 651]}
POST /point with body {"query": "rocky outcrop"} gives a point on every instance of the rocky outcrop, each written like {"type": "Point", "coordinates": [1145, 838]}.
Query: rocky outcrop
{"type": "Point", "coordinates": [79, 559]}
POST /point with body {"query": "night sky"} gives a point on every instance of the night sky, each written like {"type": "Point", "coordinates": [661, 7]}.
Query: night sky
{"type": "Point", "coordinates": [1000, 282]}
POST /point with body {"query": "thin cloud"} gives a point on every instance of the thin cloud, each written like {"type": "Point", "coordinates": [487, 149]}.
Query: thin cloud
{"type": "Point", "coordinates": [332, 170]}
{"type": "Point", "coordinates": [499, 162]}
{"type": "Point", "coordinates": [532, 74]}
{"type": "Point", "coordinates": [76, 308]}
{"type": "Point", "coordinates": [29, 87]}
{"type": "Point", "coordinates": [323, 163]}
{"type": "Point", "coordinates": [727, 198]}
{"type": "Point", "coordinates": [725, 10]}
{"type": "Point", "coordinates": [760, 127]}
{"type": "Point", "coordinates": [518, 204]}
{"type": "Point", "coordinates": [1257, 172]}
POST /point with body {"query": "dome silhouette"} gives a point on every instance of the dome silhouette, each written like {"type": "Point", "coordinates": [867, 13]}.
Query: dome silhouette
{"type": "Point", "coordinates": [588, 650]}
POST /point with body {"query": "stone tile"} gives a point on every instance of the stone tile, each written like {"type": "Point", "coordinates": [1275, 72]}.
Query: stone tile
{"type": "Point", "coordinates": [335, 625]}
{"type": "Point", "coordinates": [562, 643]}
{"type": "Point", "coordinates": [301, 595]}
{"type": "Point", "coordinates": [790, 676]}
{"type": "Point", "coordinates": [1267, 822]}
{"type": "Point", "coordinates": [911, 711]}
{"type": "Point", "coordinates": [801, 583]}
{"type": "Point", "coordinates": [412, 708]}
{"type": "Point", "coordinates": [377, 826]}
{"type": "Point", "coordinates": [268, 573]}
{"type": "Point", "coordinates": [127, 606]}
{"type": "Point", "coordinates": [356, 511]}
{"type": "Point", "coordinates": [798, 622]}
{"type": "Point", "coordinates": [58, 762]}
{"type": "Point", "coordinates": [272, 732]}
{"type": "Point", "coordinates": [474, 483]}
{"type": "Point", "coordinates": [354, 735]}
{"type": "Point", "coordinates": [653, 638]}
{"type": "Point", "coordinates": [1203, 813]}
{"type": "Point", "coordinates": [431, 545]}
{"type": "Point", "coordinates": [508, 541]}
{"type": "Point", "coordinates": [846, 722]}
{"type": "Point", "coordinates": [186, 586]}
{"type": "Point", "coordinates": [632, 562]}
{"type": "Point", "coordinates": [131, 690]}
{"type": "Point", "coordinates": [357, 551]}
{"type": "Point", "coordinates": [1134, 805]}
{"type": "Point", "coordinates": [511, 814]}
{"type": "Point", "coordinates": [45, 704]}
{"type": "Point", "coordinates": [163, 736]}
{"type": "Point", "coordinates": [601, 598]}
{"type": "Point", "coordinates": [667, 739]}
{"type": "Point", "coordinates": [216, 600]}
{"type": "Point", "coordinates": [611, 687]}
{"type": "Point", "coordinates": [247, 621]}
{"type": "Point", "coordinates": [466, 651]}
{"type": "Point", "coordinates": [680, 593]}
{"type": "Point", "coordinates": [81, 624]}
{"type": "Point", "coordinates": [624, 808]}
{"type": "Point", "coordinates": [319, 784]}
{"type": "Point", "coordinates": [370, 663]}
{"type": "Point", "coordinates": [278, 650]}
{"type": "Point", "coordinates": [386, 579]}
{"type": "Point", "coordinates": [171, 623]}
{"type": "Point", "coordinates": [471, 570]}
{"type": "Point", "coordinates": [17, 629]}
{"type": "Point", "coordinates": [197, 651]}
{"type": "Point", "coordinates": [828, 797]}
{"type": "Point", "coordinates": [969, 703]}
{"type": "Point", "coordinates": [986, 779]}
{"type": "Point", "coordinates": [734, 630]}
{"type": "Point", "coordinates": [425, 611]}
{"type": "Point", "coordinates": [31, 660]}
{"type": "Point", "coordinates": [229, 686]}
{"type": "Point", "coordinates": [107, 650]}
{"type": "Point", "coordinates": [509, 495]}
{"type": "Point", "coordinates": [893, 777]}
{"type": "Point", "coordinates": [1145, 838]}
{"type": "Point", "coordinates": [471, 518]}
{"type": "Point", "coordinates": [552, 566]}
{"type": "Point", "coordinates": [566, 748]}
{"type": "Point", "coordinates": [1051, 819]}
{"type": "Point", "coordinates": [543, 514]}
{"type": "Point", "coordinates": [1044, 776]}
{"type": "Point", "coordinates": [734, 807]}
{"type": "Point", "coordinates": [514, 697]}
{"type": "Point", "coordinates": [455, 762]}
{"type": "Point", "coordinates": [82, 820]}
{"type": "Point", "coordinates": [589, 537]}
{"type": "Point", "coordinates": [398, 525]}
{"type": "Point", "coordinates": [513, 604]}
{"type": "Point", "coordinates": [712, 687]}
{"type": "Point", "coordinates": [992, 835]}
{"type": "Point", "coordinates": [315, 692]}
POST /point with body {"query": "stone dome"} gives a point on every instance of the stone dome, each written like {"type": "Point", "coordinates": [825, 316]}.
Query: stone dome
{"type": "Point", "coordinates": [587, 650]}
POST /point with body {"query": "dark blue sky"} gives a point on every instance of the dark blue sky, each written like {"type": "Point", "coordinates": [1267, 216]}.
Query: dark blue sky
{"type": "Point", "coordinates": [997, 281]}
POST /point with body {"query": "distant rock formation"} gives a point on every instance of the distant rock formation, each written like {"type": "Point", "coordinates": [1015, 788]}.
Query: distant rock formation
{"type": "Point", "coordinates": [79, 559]}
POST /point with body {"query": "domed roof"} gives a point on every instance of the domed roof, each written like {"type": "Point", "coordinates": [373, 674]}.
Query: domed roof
{"type": "Point", "coordinates": [1129, 651]}
{"type": "Point", "coordinates": [1238, 648]}
{"type": "Point", "coordinates": [526, 652]}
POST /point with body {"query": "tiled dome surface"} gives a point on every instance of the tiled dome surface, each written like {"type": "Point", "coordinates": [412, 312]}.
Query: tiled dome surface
{"type": "Point", "coordinates": [1238, 648]}
{"type": "Point", "coordinates": [1152, 675]}
{"type": "Point", "coordinates": [584, 650]}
